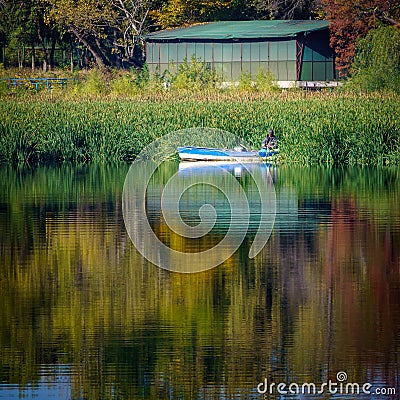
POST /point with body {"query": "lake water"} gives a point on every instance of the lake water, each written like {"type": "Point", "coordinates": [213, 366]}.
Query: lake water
{"type": "Point", "coordinates": [83, 315]}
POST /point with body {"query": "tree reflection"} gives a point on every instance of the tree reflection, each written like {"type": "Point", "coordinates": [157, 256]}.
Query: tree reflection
{"type": "Point", "coordinates": [322, 296]}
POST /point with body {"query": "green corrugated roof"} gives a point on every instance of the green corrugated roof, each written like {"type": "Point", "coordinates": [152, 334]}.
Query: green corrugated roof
{"type": "Point", "coordinates": [240, 30]}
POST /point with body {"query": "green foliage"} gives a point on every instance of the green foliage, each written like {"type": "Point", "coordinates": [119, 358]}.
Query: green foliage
{"type": "Point", "coordinates": [194, 75]}
{"type": "Point", "coordinates": [142, 76]}
{"type": "Point", "coordinates": [266, 82]}
{"type": "Point", "coordinates": [127, 84]}
{"type": "Point", "coordinates": [347, 130]}
{"type": "Point", "coordinates": [4, 89]}
{"type": "Point", "coordinates": [95, 84]}
{"type": "Point", "coordinates": [123, 85]}
{"type": "Point", "coordinates": [174, 13]}
{"type": "Point", "coordinates": [377, 63]}
{"type": "Point", "coordinates": [246, 82]}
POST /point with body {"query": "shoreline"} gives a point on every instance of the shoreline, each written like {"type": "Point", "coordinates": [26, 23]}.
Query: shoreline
{"type": "Point", "coordinates": [312, 129]}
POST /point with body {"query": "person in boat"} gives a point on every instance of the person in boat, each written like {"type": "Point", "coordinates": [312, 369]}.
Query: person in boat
{"type": "Point", "coordinates": [270, 142]}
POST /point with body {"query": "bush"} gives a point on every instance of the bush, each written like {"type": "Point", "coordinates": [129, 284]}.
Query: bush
{"type": "Point", "coordinates": [95, 84]}
{"type": "Point", "coordinates": [377, 62]}
{"type": "Point", "coordinates": [4, 89]}
{"type": "Point", "coordinates": [263, 82]}
{"type": "Point", "coordinates": [266, 82]}
{"type": "Point", "coordinates": [123, 85]}
{"type": "Point", "coordinates": [246, 82]}
{"type": "Point", "coordinates": [194, 75]}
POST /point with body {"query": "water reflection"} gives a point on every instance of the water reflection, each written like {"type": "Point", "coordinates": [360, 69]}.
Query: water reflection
{"type": "Point", "coordinates": [83, 315]}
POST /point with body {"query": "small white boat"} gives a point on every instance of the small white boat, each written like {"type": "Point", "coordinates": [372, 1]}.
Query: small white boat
{"type": "Point", "coordinates": [239, 154]}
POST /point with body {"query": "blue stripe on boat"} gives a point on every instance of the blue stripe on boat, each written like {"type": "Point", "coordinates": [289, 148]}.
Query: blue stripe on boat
{"type": "Point", "coordinates": [215, 154]}
{"type": "Point", "coordinates": [203, 153]}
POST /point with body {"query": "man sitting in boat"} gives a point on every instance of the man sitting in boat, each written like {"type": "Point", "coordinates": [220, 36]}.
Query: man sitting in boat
{"type": "Point", "coordinates": [270, 142]}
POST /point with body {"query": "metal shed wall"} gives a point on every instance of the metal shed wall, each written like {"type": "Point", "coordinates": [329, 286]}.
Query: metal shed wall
{"type": "Point", "coordinates": [317, 63]}
{"type": "Point", "coordinates": [294, 57]}
{"type": "Point", "coordinates": [229, 59]}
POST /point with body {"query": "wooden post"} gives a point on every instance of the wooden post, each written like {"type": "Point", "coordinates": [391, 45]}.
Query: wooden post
{"type": "Point", "coordinates": [19, 58]}
{"type": "Point", "coordinates": [33, 57]}
{"type": "Point", "coordinates": [72, 58]}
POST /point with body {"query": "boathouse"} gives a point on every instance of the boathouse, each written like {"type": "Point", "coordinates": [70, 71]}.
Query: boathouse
{"type": "Point", "coordinates": [293, 51]}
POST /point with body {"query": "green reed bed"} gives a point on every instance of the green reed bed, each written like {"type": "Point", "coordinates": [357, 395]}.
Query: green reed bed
{"type": "Point", "coordinates": [312, 129]}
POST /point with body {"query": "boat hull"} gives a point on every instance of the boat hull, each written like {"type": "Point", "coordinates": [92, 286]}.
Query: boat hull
{"type": "Point", "coordinates": [211, 154]}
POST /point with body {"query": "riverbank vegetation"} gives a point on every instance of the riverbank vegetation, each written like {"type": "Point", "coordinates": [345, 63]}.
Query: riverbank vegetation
{"type": "Point", "coordinates": [110, 115]}
{"type": "Point", "coordinates": [75, 34]}
{"type": "Point", "coordinates": [312, 128]}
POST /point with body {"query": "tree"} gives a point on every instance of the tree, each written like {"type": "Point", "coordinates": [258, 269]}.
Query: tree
{"type": "Point", "coordinates": [16, 27]}
{"type": "Point", "coordinates": [284, 9]}
{"type": "Point", "coordinates": [131, 22]}
{"type": "Point", "coordinates": [22, 26]}
{"type": "Point", "coordinates": [110, 30]}
{"type": "Point", "coordinates": [173, 13]}
{"type": "Point", "coordinates": [43, 31]}
{"type": "Point", "coordinates": [350, 20]}
{"type": "Point", "coordinates": [377, 62]}
{"type": "Point", "coordinates": [393, 16]}
{"type": "Point", "coordinates": [88, 21]}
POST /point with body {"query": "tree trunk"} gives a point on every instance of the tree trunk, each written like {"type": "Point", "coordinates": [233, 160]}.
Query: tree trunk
{"type": "Point", "coordinates": [44, 50]}
{"type": "Point", "coordinates": [3, 54]}
{"type": "Point", "coordinates": [33, 57]}
{"type": "Point", "coordinates": [82, 64]}
{"type": "Point", "coordinates": [96, 53]}
{"type": "Point", "coordinates": [52, 50]}
{"type": "Point", "coordinates": [106, 59]}
{"type": "Point", "coordinates": [391, 20]}
{"type": "Point", "coordinates": [72, 59]}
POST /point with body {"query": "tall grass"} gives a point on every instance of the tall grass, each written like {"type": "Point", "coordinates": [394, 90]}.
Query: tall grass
{"type": "Point", "coordinates": [318, 129]}
{"type": "Point", "coordinates": [191, 77]}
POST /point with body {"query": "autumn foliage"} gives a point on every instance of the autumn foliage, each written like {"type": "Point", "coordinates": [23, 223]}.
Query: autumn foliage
{"type": "Point", "coordinates": [350, 20]}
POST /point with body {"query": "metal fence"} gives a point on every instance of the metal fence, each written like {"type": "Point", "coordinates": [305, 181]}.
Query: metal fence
{"type": "Point", "coordinates": [37, 83]}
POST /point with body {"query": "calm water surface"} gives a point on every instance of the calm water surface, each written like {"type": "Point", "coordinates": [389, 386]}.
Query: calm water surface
{"type": "Point", "coordinates": [84, 316]}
